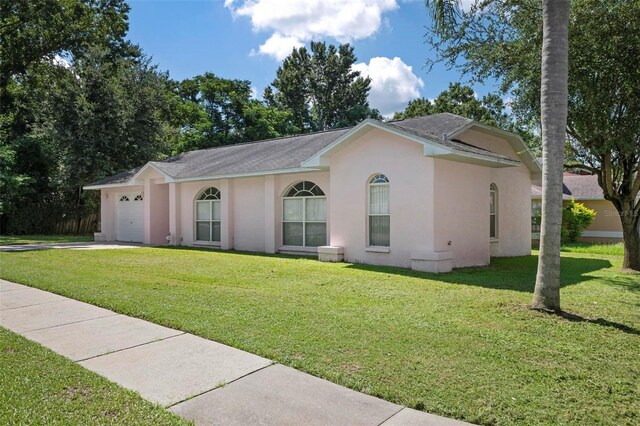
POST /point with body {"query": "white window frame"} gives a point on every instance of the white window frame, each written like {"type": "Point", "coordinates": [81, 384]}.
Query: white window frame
{"type": "Point", "coordinates": [371, 183]}
{"type": "Point", "coordinates": [493, 216]}
{"type": "Point", "coordinates": [304, 220]}
{"type": "Point", "coordinates": [536, 207]}
{"type": "Point", "coordinates": [211, 219]}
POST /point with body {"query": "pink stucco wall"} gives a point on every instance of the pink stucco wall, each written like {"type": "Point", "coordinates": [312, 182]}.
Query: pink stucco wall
{"type": "Point", "coordinates": [436, 205]}
{"type": "Point", "coordinates": [514, 202]}
{"type": "Point", "coordinates": [253, 207]}
{"type": "Point", "coordinates": [462, 212]}
{"type": "Point", "coordinates": [410, 176]}
{"type": "Point", "coordinates": [158, 195]}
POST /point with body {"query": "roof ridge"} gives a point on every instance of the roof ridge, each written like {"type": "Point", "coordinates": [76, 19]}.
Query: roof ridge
{"type": "Point", "coordinates": [428, 115]}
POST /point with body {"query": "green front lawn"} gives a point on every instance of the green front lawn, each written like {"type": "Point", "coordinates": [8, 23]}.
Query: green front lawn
{"type": "Point", "coordinates": [42, 239]}
{"type": "Point", "coordinates": [613, 249]}
{"type": "Point", "coordinates": [38, 386]}
{"type": "Point", "coordinates": [463, 344]}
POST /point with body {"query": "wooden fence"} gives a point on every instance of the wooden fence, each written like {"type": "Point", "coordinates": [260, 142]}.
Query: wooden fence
{"type": "Point", "coordinates": [46, 219]}
{"type": "Point", "coordinates": [86, 225]}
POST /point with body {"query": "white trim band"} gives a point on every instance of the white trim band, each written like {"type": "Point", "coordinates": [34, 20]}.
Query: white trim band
{"type": "Point", "coordinates": [601, 234]}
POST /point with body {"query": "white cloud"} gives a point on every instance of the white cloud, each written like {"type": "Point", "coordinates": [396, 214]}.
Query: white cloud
{"type": "Point", "coordinates": [466, 4]}
{"type": "Point", "coordinates": [61, 62]}
{"type": "Point", "coordinates": [304, 20]}
{"type": "Point", "coordinates": [393, 83]}
{"type": "Point", "coordinates": [279, 46]}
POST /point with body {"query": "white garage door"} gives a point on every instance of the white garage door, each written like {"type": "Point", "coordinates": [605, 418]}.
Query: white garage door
{"type": "Point", "coordinates": [130, 217]}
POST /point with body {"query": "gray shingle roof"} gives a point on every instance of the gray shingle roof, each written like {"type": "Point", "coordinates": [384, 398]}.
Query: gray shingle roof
{"type": "Point", "coordinates": [290, 152]}
{"type": "Point", "coordinates": [576, 186]}
{"type": "Point", "coordinates": [434, 127]}
{"type": "Point", "coordinates": [122, 177]}
{"type": "Point", "coordinates": [259, 156]}
{"type": "Point", "coordinates": [582, 186]}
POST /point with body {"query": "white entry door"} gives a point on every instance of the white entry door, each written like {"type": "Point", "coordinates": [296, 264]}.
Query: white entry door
{"type": "Point", "coordinates": [130, 217]}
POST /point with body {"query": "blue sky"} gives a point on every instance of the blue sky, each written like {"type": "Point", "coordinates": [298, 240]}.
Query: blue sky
{"type": "Point", "coordinates": [246, 39]}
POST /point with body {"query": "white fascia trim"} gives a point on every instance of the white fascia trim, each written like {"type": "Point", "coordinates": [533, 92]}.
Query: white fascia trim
{"type": "Point", "coordinates": [431, 149]}
{"type": "Point", "coordinates": [539, 197]}
{"type": "Point", "coordinates": [602, 234]}
{"type": "Point", "coordinates": [110, 186]}
{"type": "Point", "coordinates": [252, 174]}
{"type": "Point", "coordinates": [153, 166]}
{"type": "Point", "coordinates": [131, 181]}
{"type": "Point", "coordinates": [499, 161]}
{"type": "Point", "coordinates": [533, 163]}
{"type": "Point", "coordinates": [213, 177]}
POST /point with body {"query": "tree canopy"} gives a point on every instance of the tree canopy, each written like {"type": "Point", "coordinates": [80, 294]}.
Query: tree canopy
{"type": "Point", "coordinates": [32, 30]}
{"type": "Point", "coordinates": [320, 88]}
{"type": "Point", "coordinates": [461, 100]}
{"type": "Point", "coordinates": [212, 111]}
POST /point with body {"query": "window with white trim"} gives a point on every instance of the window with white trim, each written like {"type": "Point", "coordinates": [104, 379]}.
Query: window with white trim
{"type": "Point", "coordinates": [536, 209]}
{"type": "Point", "coordinates": [304, 216]}
{"type": "Point", "coordinates": [379, 211]}
{"type": "Point", "coordinates": [207, 218]}
{"type": "Point", "coordinates": [493, 212]}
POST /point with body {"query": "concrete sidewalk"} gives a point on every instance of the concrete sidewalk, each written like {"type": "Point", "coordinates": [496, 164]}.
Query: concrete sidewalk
{"type": "Point", "coordinates": [198, 379]}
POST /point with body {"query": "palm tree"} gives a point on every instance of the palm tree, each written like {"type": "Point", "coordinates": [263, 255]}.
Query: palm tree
{"type": "Point", "coordinates": [553, 97]}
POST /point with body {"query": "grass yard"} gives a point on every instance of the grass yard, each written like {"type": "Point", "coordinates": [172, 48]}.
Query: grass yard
{"type": "Point", "coordinates": [613, 249]}
{"type": "Point", "coordinates": [463, 345]}
{"type": "Point", "coordinates": [42, 239]}
{"type": "Point", "coordinates": [38, 386]}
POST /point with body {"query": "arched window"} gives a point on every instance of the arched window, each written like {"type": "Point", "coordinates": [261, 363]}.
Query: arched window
{"type": "Point", "coordinates": [304, 216]}
{"type": "Point", "coordinates": [379, 211]}
{"type": "Point", "coordinates": [493, 212]}
{"type": "Point", "coordinates": [208, 215]}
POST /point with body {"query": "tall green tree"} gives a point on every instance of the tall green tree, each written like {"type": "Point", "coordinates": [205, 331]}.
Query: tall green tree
{"type": "Point", "coordinates": [36, 30]}
{"type": "Point", "coordinates": [460, 99]}
{"type": "Point", "coordinates": [74, 125]}
{"type": "Point", "coordinates": [32, 35]}
{"type": "Point", "coordinates": [503, 40]}
{"type": "Point", "coordinates": [553, 118]}
{"type": "Point", "coordinates": [320, 88]}
{"type": "Point", "coordinates": [217, 111]}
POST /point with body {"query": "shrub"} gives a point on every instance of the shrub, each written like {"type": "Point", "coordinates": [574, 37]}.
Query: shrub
{"type": "Point", "coordinates": [576, 217]}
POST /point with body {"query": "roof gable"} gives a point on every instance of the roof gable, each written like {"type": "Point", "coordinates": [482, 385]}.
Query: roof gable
{"type": "Point", "coordinates": [433, 146]}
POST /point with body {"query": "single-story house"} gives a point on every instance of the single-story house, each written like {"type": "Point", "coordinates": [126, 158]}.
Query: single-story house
{"type": "Point", "coordinates": [606, 227]}
{"type": "Point", "coordinates": [429, 193]}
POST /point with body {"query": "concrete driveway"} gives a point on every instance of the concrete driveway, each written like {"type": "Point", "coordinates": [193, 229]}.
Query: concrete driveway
{"type": "Point", "coordinates": [69, 246]}
{"type": "Point", "coordinates": [198, 379]}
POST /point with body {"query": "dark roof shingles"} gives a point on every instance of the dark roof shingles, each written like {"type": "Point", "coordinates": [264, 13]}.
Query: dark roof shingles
{"type": "Point", "coordinates": [576, 186]}
{"type": "Point", "coordinates": [121, 177]}
{"type": "Point", "coordinates": [289, 152]}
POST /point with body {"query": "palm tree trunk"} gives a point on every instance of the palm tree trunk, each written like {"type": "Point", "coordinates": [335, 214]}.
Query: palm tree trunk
{"type": "Point", "coordinates": [553, 97]}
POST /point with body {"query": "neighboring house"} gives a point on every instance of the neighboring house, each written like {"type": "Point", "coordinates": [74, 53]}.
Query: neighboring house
{"type": "Point", "coordinates": [429, 193]}
{"type": "Point", "coordinates": [606, 226]}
